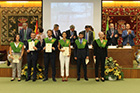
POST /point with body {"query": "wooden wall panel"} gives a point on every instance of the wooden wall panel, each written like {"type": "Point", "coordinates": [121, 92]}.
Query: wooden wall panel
{"type": "Point", "coordinates": [128, 73]}
{"type": "Point", "coordinates": [5, 72]}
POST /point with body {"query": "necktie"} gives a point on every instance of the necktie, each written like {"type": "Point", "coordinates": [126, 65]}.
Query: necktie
{"type": "Point", "coordinates": [71, 33]}
{"type": "Point", "coordinates": [80, 41]}
{"type": "Point", "coordinates": [56, 33]}
{"type": "Point", "coordinates": [49, 39]}
{"type": "Point", "coordinates": [127, 39]}
{"type": "Point", "coordinates": [86, 36]}
{"type": "Point", "coordinates": [72, 37]}
{"type": "Point", "coordinates": [25, 35]}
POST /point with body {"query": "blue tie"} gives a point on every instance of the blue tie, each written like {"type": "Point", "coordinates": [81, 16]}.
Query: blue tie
{"type": "Point", "coordinates": [72, 37]}
{"type": "Point", "coordinates": [86, 36]}
{"type": "Point", "coordinates": [80, 41]}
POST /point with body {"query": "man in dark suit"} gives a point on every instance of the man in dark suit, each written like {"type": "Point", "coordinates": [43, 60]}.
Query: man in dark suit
{"type": "Point", "coordinates": [72, 34]}
{"type": "Point", "coordinates": [128, 36]}
{"type": "Point", "coordinates": [56, 32]}
{"type": "Point", "coordinates": [81, 52]}
{"type": "Point", "coordinates": [49, 57]}
{"type": "Point", "coordinates": [25, 33]}
{"type": "Point", "coordinates": [112, 35]}
{"type": "Point", "coordinates": [32, 56]}
{"type": "Point", "coordinates": [88, 35]}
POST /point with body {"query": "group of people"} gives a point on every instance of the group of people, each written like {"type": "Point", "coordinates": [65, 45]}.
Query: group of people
{"type": "Point", "coordinates": [59, 42]}
{"type": "Point", "coordinates": [128, 35]}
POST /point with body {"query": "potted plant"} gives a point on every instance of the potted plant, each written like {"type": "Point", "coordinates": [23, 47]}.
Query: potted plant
{"type": "Point", "coordinates": [112, 70]}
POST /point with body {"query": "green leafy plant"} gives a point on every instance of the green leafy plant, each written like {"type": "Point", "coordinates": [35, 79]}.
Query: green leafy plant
{"type": "Point", "coordinates": [40, 71]}
{"type": "Point", "coordinates": [113, 69]}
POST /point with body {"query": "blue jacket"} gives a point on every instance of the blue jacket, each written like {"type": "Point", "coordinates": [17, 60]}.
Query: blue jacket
{"type": "Point", "coordinates": [131, 37]}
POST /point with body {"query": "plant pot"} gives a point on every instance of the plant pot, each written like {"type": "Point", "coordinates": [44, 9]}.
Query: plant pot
{"type": "Point", "coordinates": [112, 79]}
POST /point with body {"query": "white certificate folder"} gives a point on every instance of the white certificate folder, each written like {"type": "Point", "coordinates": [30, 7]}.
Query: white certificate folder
{"type": "Point", "coordinates": [48, 48]}
{"type": "Point", "coordinates": [31, 45]}
{"type": "Point", "coordinates": [66, 52]}
{"type": "Point", "coordinates": [16, 59]}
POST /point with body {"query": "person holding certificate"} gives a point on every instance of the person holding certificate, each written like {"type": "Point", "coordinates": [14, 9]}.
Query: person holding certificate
{"type": "Point", "coordinates": [100, 54]}
{"type": "Point", "coordinates": [16, 51]}
{"type": "Point", "coordinates": [49, 46]}
{"type": "Point", "coordinates": [81, 54]}
{"type": "Point", "coordinates": [33, 46]}
{"type": "Point", "coordinates": [64, 56]}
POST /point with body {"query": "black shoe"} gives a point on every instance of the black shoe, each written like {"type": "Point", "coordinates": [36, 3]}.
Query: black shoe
{"type": "Point", "coordinates": [45, 79]}
{"type": "Point", "coordinates": [19, 80]}
{"type": "Point", "coordinates": [86, 79]}
{"type": "Point", "coordinates": [103, 80]}
{"type": "Point", "coordinates": [54, 79]}
{"type": "Point", "coordinates": [78, 79]}
{"type": "Point", "coordinates": [28, 79]}
{"type": "Point", "coordinates": [97, 80]}
{"type": "Point", "coordinates": [12, 79]}
{"type": "Point", "coordinates": [34, 80]}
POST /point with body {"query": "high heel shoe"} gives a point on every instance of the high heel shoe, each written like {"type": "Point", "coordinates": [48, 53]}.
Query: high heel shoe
{"type": "Point", "coordinates": [19, 79]}
{"type": "Point", "coordinates": [66, 80]}
{"type": "Point", "coordinates": [12, 79]}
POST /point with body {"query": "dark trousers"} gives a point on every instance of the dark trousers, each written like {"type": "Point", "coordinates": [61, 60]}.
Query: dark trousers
{"type": "Point", "coordinates": [98, 60]}
{"type": "Point", "coordinates": [49, 57]}
{"type": "Point", "coordinates": [32, 62]}
{"type": "Point", "coordinates": [79, 62]}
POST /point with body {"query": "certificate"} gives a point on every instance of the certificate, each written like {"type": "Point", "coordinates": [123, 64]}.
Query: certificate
{"type": "Point", "coordinates": [31, 45]}
{"type": "Point", "coordinates": [16, 58]}
{"type": "Point", "coordinates": [48, 48]}
{"type": "Point", "coordinates": [94, 61]}
{"type": "Point", "coordinates": [66, 52]}
{"type": "Point", "coordinates": [87, 61]}
{"type": "Point", "coordinates": [90, 46]}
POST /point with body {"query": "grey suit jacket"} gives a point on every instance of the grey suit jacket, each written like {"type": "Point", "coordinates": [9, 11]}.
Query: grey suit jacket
{"type": "Point", "coordinates": [28, 34]}
{"type": "Point", "coordinates": [90, 41]}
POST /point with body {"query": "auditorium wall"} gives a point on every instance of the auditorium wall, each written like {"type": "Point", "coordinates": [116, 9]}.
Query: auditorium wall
{"type": "Point", "coordinates": [120, 16]}
{"type": "Point", "coordinates": [12, 15]}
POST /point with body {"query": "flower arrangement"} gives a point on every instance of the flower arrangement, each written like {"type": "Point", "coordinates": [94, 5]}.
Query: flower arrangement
{"type": "Point", "coordinates": [112, 70]}
{"type": "Point", "coordinates": [40, 71]}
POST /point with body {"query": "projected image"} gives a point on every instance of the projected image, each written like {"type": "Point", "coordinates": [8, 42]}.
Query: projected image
{"type": "Point", "coordinates": [67, 13]}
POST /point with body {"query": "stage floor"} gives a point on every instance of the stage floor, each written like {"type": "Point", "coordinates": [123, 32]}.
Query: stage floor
{"type": "Point", "coordinates": [72, 86]}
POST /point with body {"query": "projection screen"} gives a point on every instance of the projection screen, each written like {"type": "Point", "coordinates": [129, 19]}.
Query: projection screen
{"type": "Point", "coordinates": [72, 12]}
